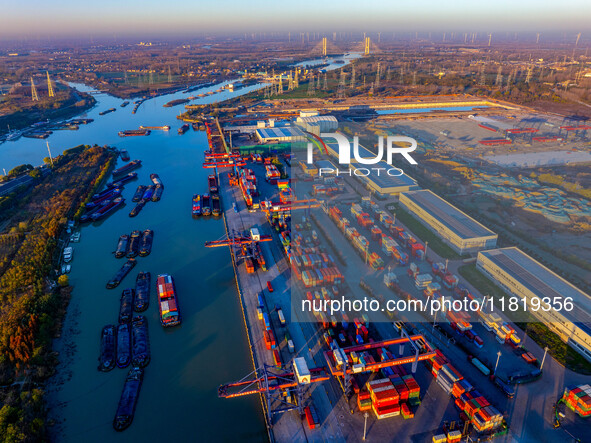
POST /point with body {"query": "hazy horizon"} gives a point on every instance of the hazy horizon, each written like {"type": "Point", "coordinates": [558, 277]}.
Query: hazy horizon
{"type": "Point", "coordinates": [36, 18]}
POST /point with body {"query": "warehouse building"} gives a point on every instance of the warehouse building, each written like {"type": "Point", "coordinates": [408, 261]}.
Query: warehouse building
{"type": "Point", "coordinates": [318, 123]}
{"type": "Point", "coordinates": [285, 134]}
{"type": "Point", "coordinates": [457, 229]}
{"type": "Point", "coordinates": [521, 275]}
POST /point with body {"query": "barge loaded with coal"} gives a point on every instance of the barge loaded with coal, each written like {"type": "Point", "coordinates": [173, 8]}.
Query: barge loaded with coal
{"type": "Point", "coordinates": [123, 345]}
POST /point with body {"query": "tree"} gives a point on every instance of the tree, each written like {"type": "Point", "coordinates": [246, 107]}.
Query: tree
{"type": "Point", "coordinates": [63, 280]}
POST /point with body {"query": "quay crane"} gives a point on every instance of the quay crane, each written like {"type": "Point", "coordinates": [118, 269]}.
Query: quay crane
{"type": "Point", "coordinates": [271, 381]}
{"type": "Point", "coordinates": [238, 240]}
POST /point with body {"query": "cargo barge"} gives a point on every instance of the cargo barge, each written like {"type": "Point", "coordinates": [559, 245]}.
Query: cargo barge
{"type": "Point", "coordinates": [215, 205]}
{"type": "Point", "coordinates": [178, 101]}
{"type": "Point", "coordinates": [146, 243]}
{"type": "Point", "coordinates": [140, 342]}
{"type": "Point", "coordinates": [107, 355]}
{"type": "Point", "coordinates": [167, 301]}
{"type": "Point", "coordinates": [128, 401]}
{"type": "Point", "coordinates": [134, 244]}
{"type": "Point", "coordinates": [123, 345]}
{"type": "Point", "coordinates": [82, 121]}
{"type": "Point", "coordinates": [39, 134]}
{"type": "Point", "coordinates": [183, 129]}
{"type": "Point", "coordinates": [158, 193]}
{"type": "Point", "coordinates": [126, 306]}
{"type": "Point", "coordinates": [139, 192]}
{"type": "Point", "coordinates": [205, 207]}
{"type": "Point", "coordinates": [87, 217]}
{"type": "Point", "coordinates": [137, 209]}
{"type": "Point", "coordinates": [105, 210]}
{"type": "Point", "coordinates": [122, 246]}
{"type": "Point", "coordinates": [155, 179]}
{"type": "Point", "coordinates": [124, 104]}
{"type": "Point", "coordinates": [156, 128]}
{"type": "Point", "coordinates": [128, 167]}
{"type": "Point", "coordinates": [98, 199]}
{"type": "Point", "coordinates": [212, 183]}
{"type": "Point", "coordinates": [196, 209]}
{"type": "Point", "coordinates": [134, 132]}
{"type": "Point", "coordinates": [142, 292]}
{"type": "Point", "coordinates": [124, 155]}
{"type": "Point", "coordinates": [121, 273]}
{"type": "Point", "coordinates": [121, 181]}
{"type": "Point", "coordinates": [107, 111]}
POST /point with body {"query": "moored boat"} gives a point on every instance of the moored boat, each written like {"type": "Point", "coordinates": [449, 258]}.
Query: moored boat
{"type": "Point", "coordinates": [107, 358]}
{"type": "Point", "coordinates": [127, 167]}
{"type": "Point", "coordinates": [139, 192]}
{"type": "Point", "coordinates": [128, 401]}
{"type": "Point", "coordinates": [134, 244]}
{"type": "Point", "coordinates": [148, 193]}
{"type": "Point", "coordinates": [215, 205]}
{"type": "Point", "coordinates": [167, 301]}
{"type": "Point", "coordinates": [121, 273]}
{"type": "Point", "coordinates": [107, 209]}
{"type": "Point", "coordinates": [123, 345]}
{"type": "Point", "coordinates": [134, 132]}
{"type": "Point", "coordinates": [155, 179]}
{"type": "Point", "coordinates": [121, 181]}
{"type": "Point", "coordinates": [183, 129]}
{"type": "Point", "coordinates": [205, 205]}
{"type": "Point", "coordinates": [157, 193]}
{"type": "Point", "coordinates": [213, 184]}
{"type": "Point", "coordinates": [126, 305]}
{"type": "Point", "coordinates": [108, 194]}
{"type": "Point", "coordinates": [122, 246]}
{"type": "Point", "coordinates": [196, 209]}
{"type": "Point", "coordinates": [136, 210]}
{"type": "Point", "coordinates": [146, 243]}
{"type": "Point", "coordinates": [140, 342]}
{"type": "Point", "coordinates": [87, 217]}
{"type": "Point", "coordinates": [124, 155]}
{"type": "Point", "coordinates": [142, 292]}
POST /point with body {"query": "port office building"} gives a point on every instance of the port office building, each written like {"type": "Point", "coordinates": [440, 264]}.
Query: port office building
{"type": "Point", "coordinates": [460, 231]}
{"type": "Point", "coordinates": [378, 182]}
{"type": "Point", "coordinates": [285, 134]}
{"type": "Point", "coordinates": [521, 275]}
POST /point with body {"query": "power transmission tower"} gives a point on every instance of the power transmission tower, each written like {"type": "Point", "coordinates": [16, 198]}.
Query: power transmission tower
{"type": "Point", "coordinates": [499, 80]}
{"type": "Point", "coordinates": [353, 78]}
{"type": "Point", "coordinates": [125, 77]}
{"type": "Point", "coordinates": [388, 74]}
{"type": "Point", "coordinates": [311, 86]}
{"type": "Point", "coordinates": [367, 45]}
{"type": "Point", "coordinates": [151, 77]}
{"type": "Point", "coordinates": [49, 86]}
{"type": "Point", "coordinates": [318, 82]}
{"type": "Point", "coordinates": [169, 75]}
{"type": "Point", "coordinates": [325, 87]}
{"type": "Point", "coordinates": [414, 78]}
{"type": "Point", "coordinates": [378, 76]}
{"type": "Point", "coordinates": [529, 74]}
{"type": "Point", "coordinates": [578, 38]}
{"type": "Point", "coordinates": [489, 39]}
{"type": "Point", "coordinates": [323, 46]}
{"type": "Point", "coordinates": [482, 81]}
{"type": "Point", "coordinates": [34, 95]}
{"type": "Point", "coordinates": [296, 80]}
{"type": "Point", "coordinates": [280, 87]}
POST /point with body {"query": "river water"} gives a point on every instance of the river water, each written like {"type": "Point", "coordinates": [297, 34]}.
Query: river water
{"type": "Point", "coordinates": [178, 398]}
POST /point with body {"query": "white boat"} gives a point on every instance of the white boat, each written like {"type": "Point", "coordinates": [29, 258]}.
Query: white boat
{"type": "Point", "coordinates": [68, 252]}
{"type": "Point", "coordinates": [68, 268]}
{"type": "Point", "coordinates": [63, 269]}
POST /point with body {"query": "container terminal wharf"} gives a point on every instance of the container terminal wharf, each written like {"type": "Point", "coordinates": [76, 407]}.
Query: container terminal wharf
{"type": "Point", "coordinates": [335, 420]}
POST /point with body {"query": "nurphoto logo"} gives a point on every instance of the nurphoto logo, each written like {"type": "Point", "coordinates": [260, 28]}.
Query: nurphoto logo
{"type": "Point", "coordinates": [345, 154]}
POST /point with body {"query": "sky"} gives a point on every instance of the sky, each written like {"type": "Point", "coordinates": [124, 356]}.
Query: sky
{"type": "Point", "coordinates": [149, 17]}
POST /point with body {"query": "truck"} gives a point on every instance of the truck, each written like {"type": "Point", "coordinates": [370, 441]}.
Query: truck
{"type": "Point", "coordinates": [479, 365]}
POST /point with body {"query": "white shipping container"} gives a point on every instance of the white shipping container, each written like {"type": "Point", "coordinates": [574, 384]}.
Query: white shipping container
{"type": "Point", "coordinates": [301, 370]}
{"type": "Point", "coordinates": [281, 317]}
{"type": "Point", "coordinates": [290, 346]}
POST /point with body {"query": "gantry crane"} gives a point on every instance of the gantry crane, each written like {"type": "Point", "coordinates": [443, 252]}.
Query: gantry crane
{"type": "Point", "coordinates": [271, 381]}
{"type": "Point", "coordinates": [238, 240]}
